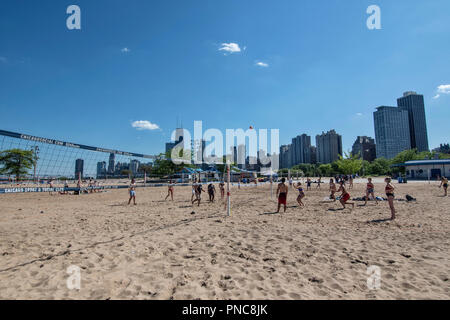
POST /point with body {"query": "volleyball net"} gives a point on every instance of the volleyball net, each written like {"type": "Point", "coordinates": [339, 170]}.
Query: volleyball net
{"type": "Point", "coordinates": [60, 160]}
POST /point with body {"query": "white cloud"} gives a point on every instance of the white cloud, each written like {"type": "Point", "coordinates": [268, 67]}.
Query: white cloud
{"type": "Point", "coordinates": [261, 64]}
{"type": "Point", "coordinates": [125, 50]}
{"type": "Point", "coordinates": [444, 88]}
{"type": "Point", "coordinates": [230, 48]}
{"type": "Point", "coordinates": [144, 125]}
{"type": "Point", "coordinates": [359, 114]}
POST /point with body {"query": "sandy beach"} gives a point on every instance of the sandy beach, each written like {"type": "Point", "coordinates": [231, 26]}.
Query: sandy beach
{"type": "Point", "coordinates": [161, 250]}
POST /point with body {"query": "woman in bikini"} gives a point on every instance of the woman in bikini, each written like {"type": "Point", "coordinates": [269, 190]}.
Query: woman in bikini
{"type": "Point", "coordinates": [390, 196]}
{"type": "Point", "coordinates": [444, 183]}
{"type": "Point", "coordinates": [332, 189]}
{"type": "Point", "coordinates": [370, 191]}
{"type": "Point", "coordinates": [222, 189]}
{"type": "Point", "coordinates": [301, 194]}
{"type": "Point", "coordinates": [170, 190]}
{"type": "Point", "coordinates": [198, 194]}
{"type": "Point", "coordinates": [345, 196]}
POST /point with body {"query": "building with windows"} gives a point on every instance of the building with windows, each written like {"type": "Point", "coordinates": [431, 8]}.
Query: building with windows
{"type": "Point", "coordinates": [79, 167]}
{"type": "Point", "coordinates": [364, 147]}
{"type": "Point", "coordinates": [414, 104]}
{"type": "Point", "coordinates": [101, 170]}
{"type": "Point", "coordinates": [111, 163]}
{"type": "Point", "coordinates": [301, 149]}
{"type": "Point", "coordinates": [329, 147]}
{"type": "Point", "coordinates": [426, 169]}
{"type": "Point", "coordinates": [392, 132]}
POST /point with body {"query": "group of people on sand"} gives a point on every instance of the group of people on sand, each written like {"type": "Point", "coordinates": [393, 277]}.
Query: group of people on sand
{"type": "Point", "coordinates": [283, 189]}
{"type": "Point", "coordinates": [197, 189]}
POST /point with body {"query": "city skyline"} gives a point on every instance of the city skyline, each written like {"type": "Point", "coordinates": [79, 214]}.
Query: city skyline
{"type": "Point", "coordinates": [126, 83]}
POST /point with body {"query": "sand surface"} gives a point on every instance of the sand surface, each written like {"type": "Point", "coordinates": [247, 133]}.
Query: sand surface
{"type": "Point", "coordinates": [159, 250]}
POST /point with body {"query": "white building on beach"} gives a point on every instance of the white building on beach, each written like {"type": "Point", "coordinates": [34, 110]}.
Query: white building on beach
{"type": "Point", "coordinates": [426, 169]}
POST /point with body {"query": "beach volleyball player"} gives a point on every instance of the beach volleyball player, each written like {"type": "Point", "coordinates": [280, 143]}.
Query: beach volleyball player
{"type": "Point", "coordinates": [132, 191]}
{"type": "Point", "coordinates": [282, 192]}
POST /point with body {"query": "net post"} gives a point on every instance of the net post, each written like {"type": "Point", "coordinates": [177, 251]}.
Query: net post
{"type": "Point", "coordinates": [228, 190]}
{"type": "Point", "coordinates": [271, 184]}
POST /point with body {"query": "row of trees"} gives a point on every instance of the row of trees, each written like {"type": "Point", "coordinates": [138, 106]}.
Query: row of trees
{"type": "Point", "coordinates": [18, 163]}
{"type": "Point", "coordinates": [352, 164]}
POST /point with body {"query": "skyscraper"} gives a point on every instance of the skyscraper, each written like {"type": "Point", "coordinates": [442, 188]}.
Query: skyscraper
{"type": "Point", "coordinates": [392, 132]}
{"type": "Point", "coordinates": [241, 156]}
{"type": "Point", "coordinates": [101, 169]}
{"type": "Point", "coordinates": [365, 148]}
{"type": "Point", "coordinates": [179, 136]}
{"type": "Point", "coordinates": [284, 157]}
{"type": "Point", "coordinates": [79, 164]}
{"type": "Point", "coordinates": [313, 153]}
{"type": "Point", "coordinates": [111, 163]}
{"type": "Point", "coordinates": [301, 150]}
{"type": "Point", "coordinates": [134, 166]}
{"type": "Point", "coordinates": [233, 155]}
{"type": "Point", "coordinates": [414, 104]}
{"type": "Point", "coordinates": [329, 146]}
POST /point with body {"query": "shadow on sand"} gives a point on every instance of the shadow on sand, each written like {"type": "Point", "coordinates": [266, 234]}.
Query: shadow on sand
{"type": "Point", "coordinates": [268, 213]}
{"type": "Point", "coordinates": [379, 220]}
{"type": "Point", "coordinates": [333, 209]}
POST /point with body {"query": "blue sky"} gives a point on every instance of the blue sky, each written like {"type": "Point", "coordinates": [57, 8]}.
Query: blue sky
{"type": "Point", "coordinates": [303, 67]}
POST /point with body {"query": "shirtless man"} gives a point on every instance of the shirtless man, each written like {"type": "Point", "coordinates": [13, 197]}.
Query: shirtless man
{"type": "Point", "coordinates": [282, 192]}
{"type": "Point", "coordinates": [345, 196]}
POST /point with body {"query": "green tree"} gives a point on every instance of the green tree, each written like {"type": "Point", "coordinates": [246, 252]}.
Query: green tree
{"type": "Point", "coordinates": [351, 164]}
{"type": "Point", "coordinates": [16, 162]}
{"type": "Point", "coordinates": [379, 167]}
{"type": "Point", "coordinates": [145, 168]}
{"type": "Point", "coordinates": [326, 170]}
{"type": "Point", "coordinates": [404, 156]}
